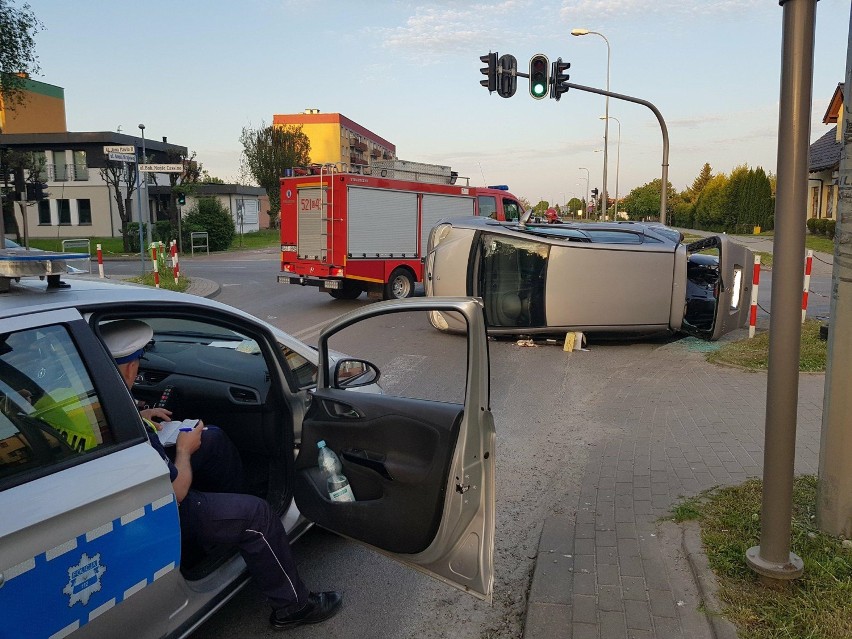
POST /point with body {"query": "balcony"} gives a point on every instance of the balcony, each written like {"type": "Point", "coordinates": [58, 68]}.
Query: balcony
{"type": "Point", "coordinates": [360, 146]}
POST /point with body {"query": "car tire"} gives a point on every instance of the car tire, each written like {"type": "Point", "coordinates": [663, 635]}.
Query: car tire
{"type": "Point", "coordinates": [349, 291]}
{"type": "Point", "coordinates": [400, 285]}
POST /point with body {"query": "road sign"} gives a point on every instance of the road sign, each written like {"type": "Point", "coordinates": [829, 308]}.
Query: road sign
{"type": "Point", "coordinates": [161, 168]}
{"type": "Point", "coordinates": [120, 149]}
{"type": "Point", "coordinates": [122, 157]}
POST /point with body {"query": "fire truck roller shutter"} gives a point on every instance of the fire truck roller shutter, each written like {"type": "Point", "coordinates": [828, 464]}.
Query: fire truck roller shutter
{"type": "Point", "coordinates": [381, 223]}
{"type": "Point", "coordinates": [438, 207]}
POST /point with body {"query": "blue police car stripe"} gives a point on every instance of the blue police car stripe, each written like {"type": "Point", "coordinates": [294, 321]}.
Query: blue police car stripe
{"type": "Point", "coordinates": [62, 589]}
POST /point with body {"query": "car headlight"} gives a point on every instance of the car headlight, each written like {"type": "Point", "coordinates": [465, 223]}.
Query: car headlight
{"type": "Point", "coordinates": [437, 234]}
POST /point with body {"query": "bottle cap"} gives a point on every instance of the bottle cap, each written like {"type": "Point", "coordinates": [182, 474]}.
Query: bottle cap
{"type": "Point", "coordinates": [321, 443]}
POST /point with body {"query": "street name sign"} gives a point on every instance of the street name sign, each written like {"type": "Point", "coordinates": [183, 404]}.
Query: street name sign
{"type": "Point", "coordinates": [120, 149]}
{"type": "Point", "coordinates": [121, 157]}
{"type": "Point", "coordinates": [161, 168]}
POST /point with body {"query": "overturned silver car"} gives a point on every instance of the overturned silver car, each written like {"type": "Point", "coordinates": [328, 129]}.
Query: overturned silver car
{"type": "Point", "coordinates": [620, 277]}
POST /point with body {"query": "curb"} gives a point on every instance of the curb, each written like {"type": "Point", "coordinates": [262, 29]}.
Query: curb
{"type": "Point", "coordinates": [705, 580]}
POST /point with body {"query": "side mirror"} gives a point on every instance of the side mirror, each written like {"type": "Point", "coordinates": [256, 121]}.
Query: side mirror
{"type": "Point", "coordinates": [354, 373]}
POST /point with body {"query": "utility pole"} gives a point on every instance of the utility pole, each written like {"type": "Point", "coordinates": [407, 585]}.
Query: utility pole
{"type": "Point", "coordinates": [834, 498]}
{"type": "Point", "coordinates": [772, 559]}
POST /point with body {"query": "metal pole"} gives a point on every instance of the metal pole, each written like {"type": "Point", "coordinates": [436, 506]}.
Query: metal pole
{"type": "Point", "coordinates": [147, 199]}
{"type": "Point", "coordinates": [772, 559]}
{"type": "Point", "coordinates": [617, 167]}
{"type": "Point", "coordinates": [139, 216]}
{"type": "Point", "coordinates": [586, 203]}
{"type": "Point", "coordinates": [834, 499]}
{"type": "Point", "coordinates": [606, 133]}
{"type": "Point", "coordinates": [663, 129]}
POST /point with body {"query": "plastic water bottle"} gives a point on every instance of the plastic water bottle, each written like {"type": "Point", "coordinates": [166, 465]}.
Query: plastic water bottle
{"type": "Point", "coordinates": [338, 485]}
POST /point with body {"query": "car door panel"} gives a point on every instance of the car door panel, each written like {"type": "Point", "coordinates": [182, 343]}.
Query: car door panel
{"type": "Point", "coordinates": [422, 471]}
{"type": "Point", "coordinates": [394, 463]}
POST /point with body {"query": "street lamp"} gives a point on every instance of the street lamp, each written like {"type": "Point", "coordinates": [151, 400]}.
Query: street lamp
{"type": "Point", "coordinates": [139, 162]}
{"type": "Point", "coordinates": [586, 204]}
{"type": "Point", "coordinates": [617, 162]}
{"type": "Point", "coordinates": [582, 32]}
{"type": "Point", "coordinates": [147, 201]}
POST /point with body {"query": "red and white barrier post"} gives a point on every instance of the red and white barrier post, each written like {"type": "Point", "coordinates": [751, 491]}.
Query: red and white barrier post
{"type": "Point", "coordinates": [752, 318]}
{"type": "Point", "coordinates": [175, 266]}
{"type": "Point", "coordinates": [100, 261]}
{"type": "Point", "coordinates": [809, 262]}
{"type": "Point", "coordinates": [154, 262]}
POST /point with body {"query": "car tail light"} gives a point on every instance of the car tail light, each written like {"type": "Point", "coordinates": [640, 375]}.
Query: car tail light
{"type": "Point", "coordinates": [337, 272]}
{"type": "Point", "coordinates": [737, 288]}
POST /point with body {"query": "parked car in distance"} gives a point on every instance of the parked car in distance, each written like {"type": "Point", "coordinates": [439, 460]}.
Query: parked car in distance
{"type": "Point", "coordinates": [618, 277]}
{"type": "Point", "coordinates": [90, 542]}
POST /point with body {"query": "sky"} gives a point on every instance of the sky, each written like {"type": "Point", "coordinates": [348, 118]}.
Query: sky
{"type": "Point", "coordinates": [199, 72]}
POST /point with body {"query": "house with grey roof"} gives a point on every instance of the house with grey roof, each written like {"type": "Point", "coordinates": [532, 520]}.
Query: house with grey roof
{"type": "Point", "coordinates": [824, 163]}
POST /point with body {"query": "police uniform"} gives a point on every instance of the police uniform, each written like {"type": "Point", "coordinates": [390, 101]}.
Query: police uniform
{"type": "Point", "coordinates": [212, 518]}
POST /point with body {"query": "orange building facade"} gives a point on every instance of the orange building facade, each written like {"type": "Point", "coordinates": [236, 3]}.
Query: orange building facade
{"type": "Point", "coordinates": [41, 111]}
{"type": "Point", "coordinates": [336, 139]}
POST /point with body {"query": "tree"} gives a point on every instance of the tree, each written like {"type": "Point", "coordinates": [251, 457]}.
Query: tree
{"type": "Point", "coordinates": [206, 178]}
{"type": "Point", "coordinates": [525, 203]}
{"type": "Point", "coordinates": [711, 206]}
{"type": "Point", "coordinates": [541, 207]}
{"type": "Point", "coordinates": [181, 183]}
{"type": "Point", "coordinates": [211, 216]}
{"type": "Point", "coordinates": [700, 182]}
{"type": "Point", "coordinates": [269, 150]}
{"type": "Point", "coordinates": [17, 52]}
{"type": "Point", "coordinates": [23, 168]}
{"type": "Point", "coordinates": [643, 202]}
{"type": "Point", "coordinates": [576, 204]}
{"type": "Point", "coordinates": [115, 174]}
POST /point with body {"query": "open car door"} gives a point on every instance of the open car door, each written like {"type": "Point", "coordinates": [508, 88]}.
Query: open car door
{"type": "Point", "coordinates": [422, 471]}
{"type": "Point", "coordinates": [718, 287]}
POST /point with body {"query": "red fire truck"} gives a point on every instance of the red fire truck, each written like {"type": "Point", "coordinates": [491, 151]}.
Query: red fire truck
{"type": "Point", "coordinates": [351, 232]}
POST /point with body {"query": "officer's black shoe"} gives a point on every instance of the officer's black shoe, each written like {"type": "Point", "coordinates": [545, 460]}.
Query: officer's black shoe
{"type": "Point", "coordinates": [320, 606]}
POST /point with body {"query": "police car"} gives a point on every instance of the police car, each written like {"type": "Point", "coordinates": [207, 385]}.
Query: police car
{"type": "Point", "coordinates": [90, 544]}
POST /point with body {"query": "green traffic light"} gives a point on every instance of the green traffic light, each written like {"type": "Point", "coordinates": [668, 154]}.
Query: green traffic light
{"type": "Point", "coordinates": [538, 89]}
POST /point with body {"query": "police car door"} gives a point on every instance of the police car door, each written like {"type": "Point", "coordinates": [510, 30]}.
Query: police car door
{"type": "Point", "coordinates": [422, 472]}
{"type": "Point", "coordinates": [89, 532]}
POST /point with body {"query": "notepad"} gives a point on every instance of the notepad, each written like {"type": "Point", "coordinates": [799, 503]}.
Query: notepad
{"type": "Point", "coordinates": [169, 431]}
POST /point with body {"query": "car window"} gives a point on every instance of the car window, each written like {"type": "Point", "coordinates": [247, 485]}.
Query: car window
{"type": "Point", "coordinates": [511, 280]}
{"type": "Point", "coordinates": [487, 206]}
{"type": "Point", "coordinates": [512, 210]}
{"type": "Point", "coordinates": [601, 236]}
{"type": "Point", "coordinates": [304, 372]}
{"type": "Point", "coordinates": [49, 410]}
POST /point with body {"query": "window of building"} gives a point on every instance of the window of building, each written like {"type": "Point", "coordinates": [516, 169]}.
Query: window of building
{"type": "Point", "coordinates": [81, 170]}
{"type": "Point", "coordinates": [64, 208]}
{"type": "Point", "coordinates": [84, 211]}
{"type": "Point", "coordinates": [49, 409]}
{"type": "Point", "coordinates": [44, 212]}
{"type": "Point", "coordinates": [60, 173]}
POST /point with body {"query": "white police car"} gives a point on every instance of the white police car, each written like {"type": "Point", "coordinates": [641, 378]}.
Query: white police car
{"type": "Point", "coordinates": [90, 544]}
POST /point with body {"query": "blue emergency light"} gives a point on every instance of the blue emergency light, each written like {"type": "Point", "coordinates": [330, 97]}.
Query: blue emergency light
{"type": "Point", "coordinates": [499, 187]}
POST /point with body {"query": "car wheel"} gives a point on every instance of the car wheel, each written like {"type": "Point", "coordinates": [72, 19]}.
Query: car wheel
{"type": "Point", "coordinates": [400, 285]}
{"type": "Point", "coordinates": [349, 291]}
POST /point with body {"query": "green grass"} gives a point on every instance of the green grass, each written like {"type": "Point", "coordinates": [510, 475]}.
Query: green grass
{"type": "Point", "coordinates": [167, 281]}
{"type": "Point", "coordinates": [265, 238]}
{"type": "Point", "coordinates": [765, 259]}
{"type": "Point", "coordinates": [815, 606]}
{"type": "Point", "coordinates": [820, 243]}
{"type": "Point", "coordinates": [753, 354]}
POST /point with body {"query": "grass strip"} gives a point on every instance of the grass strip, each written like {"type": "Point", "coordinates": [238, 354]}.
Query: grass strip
{"type": "Point", "coordinates": [753, 354]}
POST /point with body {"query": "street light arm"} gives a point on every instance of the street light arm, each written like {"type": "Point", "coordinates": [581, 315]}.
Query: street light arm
{"type": "Point", "coordinates": [663, 128]}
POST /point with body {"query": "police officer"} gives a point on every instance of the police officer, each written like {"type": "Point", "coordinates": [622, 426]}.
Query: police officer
{"type": "Point", "coordinates": [210, 518]}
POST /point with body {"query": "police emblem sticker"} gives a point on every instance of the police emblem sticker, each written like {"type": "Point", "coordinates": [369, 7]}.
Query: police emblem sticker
{"type": "Point", "coordinates": [84, 579]}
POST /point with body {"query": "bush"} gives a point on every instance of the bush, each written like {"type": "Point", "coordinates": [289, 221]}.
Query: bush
{"type": "Point", "coordinates": [830, 228]}
{"type": "Point", "coordinates": [211, 216]}
{"type": "Point", "coordinates": [163, 232]}
{"type": "Point", "coordinates": [811, 224]}
{"type": "Point", "coordinates": [820, 226]}
{"type": "Point", "coordinates": [133, 235]}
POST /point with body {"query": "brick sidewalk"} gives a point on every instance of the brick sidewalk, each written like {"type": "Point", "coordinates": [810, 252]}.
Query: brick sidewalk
{"type": "Point", "coordinates": [682, 426]}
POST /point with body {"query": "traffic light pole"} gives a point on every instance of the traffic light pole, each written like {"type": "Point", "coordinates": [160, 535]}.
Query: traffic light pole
{"type": "Point", "coordinates": [665, 174]}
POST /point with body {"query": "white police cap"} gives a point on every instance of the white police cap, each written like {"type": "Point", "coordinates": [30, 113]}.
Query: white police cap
{"type": "Point", "coordinates": [126, 339]}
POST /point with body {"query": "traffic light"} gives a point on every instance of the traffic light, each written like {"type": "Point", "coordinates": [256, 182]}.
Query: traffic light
{"type": "Point", "coordinates": [490, 71]}
{"type": "Point", "coordinates": [181, 199]}
{"type": "Point", "coordinates": [36, 191]}
{"type": "Point", "coordinates": [538, 76]}
{"type": "Point", "coordinates": [507, 80]}
{"type": "Point", "coordinates": [559, 78]}
{"type": "Point", "coordinates": [595, 193]}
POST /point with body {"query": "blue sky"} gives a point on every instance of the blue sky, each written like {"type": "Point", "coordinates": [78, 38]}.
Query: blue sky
{"type": "Point", "coordinates": [198, 72]}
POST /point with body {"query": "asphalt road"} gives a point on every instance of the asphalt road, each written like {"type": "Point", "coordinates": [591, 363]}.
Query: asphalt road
{"type": "Point", "coordinates": [543, 401]}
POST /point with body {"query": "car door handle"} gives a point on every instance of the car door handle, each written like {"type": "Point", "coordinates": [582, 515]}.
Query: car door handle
{"type": "Point", "coordinates": [373, 461]}
{"type": "Point", "coordinates": [337, 409]}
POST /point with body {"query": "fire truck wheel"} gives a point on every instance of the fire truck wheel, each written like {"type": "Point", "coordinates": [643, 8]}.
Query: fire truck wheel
{"type": "Point", "coordinates": [350, 291]}
{"type": "Point", "coordinates": [400, 285]}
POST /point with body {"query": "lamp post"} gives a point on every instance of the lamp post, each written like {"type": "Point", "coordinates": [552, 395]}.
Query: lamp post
{"type": "Point", "coordinates": [586, 204]}
{"type": "Point", "coordinates": [617, 162]}
{"type": "Point", "coordinates": [139, 201]}
{"type": "Point", "coordinates": [145, 182]}
{"type": "Point", "coordinates": [582, 32]}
